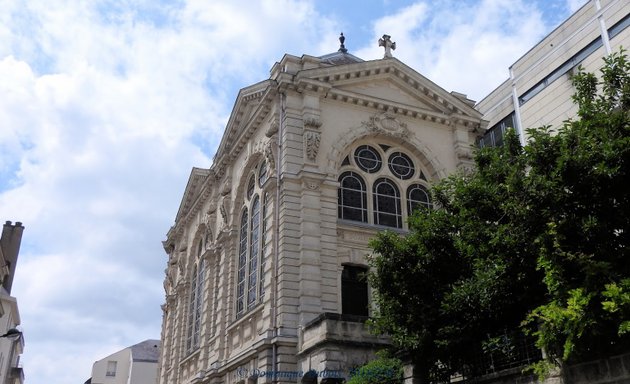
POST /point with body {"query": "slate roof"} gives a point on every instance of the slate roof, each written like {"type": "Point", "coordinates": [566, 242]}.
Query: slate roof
{"type": "Point", "coordinates": [146, 351]}
{"type": "Point", "coordinates": [340, 58]}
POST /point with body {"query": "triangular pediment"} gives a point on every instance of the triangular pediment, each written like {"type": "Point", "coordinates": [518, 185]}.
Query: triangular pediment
{"type": "Point", "coordinates": [196, 181]}
{"type": "Point", "coordinates": [391, 83]}
{"type": "Point", "coordinates": [251, 107]}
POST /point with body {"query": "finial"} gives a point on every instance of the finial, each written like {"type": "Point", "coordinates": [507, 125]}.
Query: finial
{"type": "Point", "coordinates": [386, 42]}
{"type": "Point", "coordinates": [342, 48]}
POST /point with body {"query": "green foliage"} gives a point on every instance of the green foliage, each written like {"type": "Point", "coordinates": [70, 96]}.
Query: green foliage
{"type": "Point", "coordinates": [536, 237]}
{"type": "Point", "coordinates": [382, 370]}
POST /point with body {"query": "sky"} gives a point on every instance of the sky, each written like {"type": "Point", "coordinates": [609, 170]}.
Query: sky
{"type": "Point", "coordinates": [106, 105]}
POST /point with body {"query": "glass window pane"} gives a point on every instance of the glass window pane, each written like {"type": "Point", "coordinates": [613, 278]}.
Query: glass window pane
{"type": "Point", "coordinates": [368, 159]}
{"type": "Point", "coordinates": [352, 197]}
{"type": "Point", "coordinates": [401, 165]}
{"type": "Point", "coordinates": [387, 204]}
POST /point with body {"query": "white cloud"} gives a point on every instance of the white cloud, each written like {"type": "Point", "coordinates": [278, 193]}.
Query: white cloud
{"type": "Point", "coordinates": [462, 46]}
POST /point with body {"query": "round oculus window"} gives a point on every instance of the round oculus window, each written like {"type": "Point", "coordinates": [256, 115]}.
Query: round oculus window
{"type": "Point", "coordinates": [401, 165]}
{"type": "Point", "coordinates": [368, 159]}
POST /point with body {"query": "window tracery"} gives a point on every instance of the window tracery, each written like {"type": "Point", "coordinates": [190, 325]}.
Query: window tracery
{"type": "Point", "coordinates": [377, 193]}
{"type": "Point", "coordinates": [196, 300]}
{"type": "Point", "coordinates": [252, 242]}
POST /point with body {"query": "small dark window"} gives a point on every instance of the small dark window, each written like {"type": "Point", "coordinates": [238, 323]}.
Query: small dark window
{"type": "Point", "coordinates": [368, 159]}
{"type": "Point", "coordinates": [354, 291]}
{"type": "Point", "coordinates": [346, 161]}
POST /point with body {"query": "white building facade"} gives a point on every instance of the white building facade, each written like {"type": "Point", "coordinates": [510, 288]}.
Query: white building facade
{"type": "Point", "coordinates": [267, 255]}
{"type": "Point", "coordinates": [136, 364]}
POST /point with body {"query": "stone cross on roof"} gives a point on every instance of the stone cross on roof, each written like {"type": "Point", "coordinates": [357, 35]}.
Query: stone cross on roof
{"type": "Point", "coordinates": [386, 42]}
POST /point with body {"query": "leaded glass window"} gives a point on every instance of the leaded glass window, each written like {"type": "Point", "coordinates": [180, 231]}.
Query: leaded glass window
{"type": "Point", "coordinates": [417, 197]}
{"type": "Point", "coordinates": [387, 204]}
{"type": "Point", "coordinates": [368, 159]}
{"type": "Point", "coordinates": [352, 197]}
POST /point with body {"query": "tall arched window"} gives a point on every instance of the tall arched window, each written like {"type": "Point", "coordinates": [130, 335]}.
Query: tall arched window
{"type": "Point", "coordinates": [196, 300]}
{"type": "Point", "coordinates": [254, 252]}
{"type": "Point", "coordinates": [242, 265]}
{"type": "Point", "coordinates": [396, 184]}
{"type": "Point", "coordinates": [352, 197]}
{"type": "Point", "coordinates": [387, 204]}
{"type": "Point", "coordinates": [252, 243]}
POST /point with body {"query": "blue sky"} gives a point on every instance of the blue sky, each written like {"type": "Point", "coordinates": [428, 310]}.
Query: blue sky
{"type": "Point", "coordinates": [106, 105]}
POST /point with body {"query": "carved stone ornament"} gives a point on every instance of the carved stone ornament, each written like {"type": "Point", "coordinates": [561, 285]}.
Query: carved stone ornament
{"type": "Point", "coordinates": [312, 184]}
{"type": "Point", "coordinates": [226, 186]}
{"type": "Point", "coordinates": [311, 141]}
{"type": "Point", "coordinates": [271, 161]}
{"type": "Point", "coordinates": [273, 127]}
{"type": "Point", "coordinates": [223, 209]}
{"type": "Point", "coordinates": [212, 208]}
{"type": "Point", "coordinates": [388, 124]}
{"type": "Point", "coordinates": [312, 122]}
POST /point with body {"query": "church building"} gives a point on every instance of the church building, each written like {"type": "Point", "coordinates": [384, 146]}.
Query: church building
{"type": "Point", "coordinates": [267, 256]}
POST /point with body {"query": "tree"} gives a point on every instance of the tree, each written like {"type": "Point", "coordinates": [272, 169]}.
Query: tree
{"type": "Point", "coordinates": [382, 370]}
{"type": "Point", "coordinates": [534, 238]}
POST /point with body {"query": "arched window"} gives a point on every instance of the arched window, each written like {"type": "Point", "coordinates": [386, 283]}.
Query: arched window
{"type": "Point", "coordinates": [387, 204]}
{"type": "Point", "coordinates": [352, 197]}
{"type": "Point", "coordinates": [417, 197]}
{"type": "Point", "coordinates": [242, 265]}
{"type": "Point", "coordinates": [254, 253]}
{"type": "Point", "coordinates": [396, 187]}
{"type": "Point", "coordinates": [196, 301]}
{"type": "Point", "coordinates": [252, 243]}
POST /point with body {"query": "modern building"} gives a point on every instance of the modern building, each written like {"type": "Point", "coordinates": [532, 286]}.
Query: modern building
{"type": "Point", "coordinates": [266, 260]}
{"type": "Point", "coordinates": [132, 365]}
{"type": "Point", "coordinates": [11, 339]}
{"type": "Point", "coordinates": [538, 91]}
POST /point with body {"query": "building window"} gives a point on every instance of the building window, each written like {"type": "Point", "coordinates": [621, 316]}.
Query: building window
{"type": "Point", "coordinates": [417, 197]}
{"type": "Point", "coordinates": [196, 301]}
{"type": "Point", "coordinates": [352, 197]}
{"type": "Point", "coordinates": [393, 187]}
{"type": "Point", "coordinates": [368, 159]}
{"type": "Point", "coordinates": [493, 137]}
{"type": "Point", "coordinates": [354, 291]}
{"type": "Point", "coordinates": [111, 368]}
{"type": "Point", "coordinates": [387, 204]}
{"type": "Point", "coordinates": [252, 243]}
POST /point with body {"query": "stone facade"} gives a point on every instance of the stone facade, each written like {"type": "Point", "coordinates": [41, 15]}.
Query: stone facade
{"type": "Point", "coordinates": [265, 259]}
